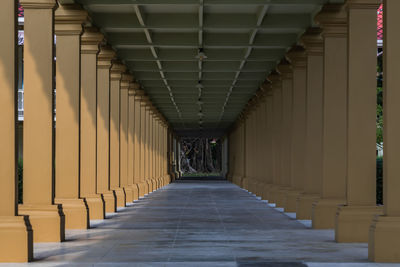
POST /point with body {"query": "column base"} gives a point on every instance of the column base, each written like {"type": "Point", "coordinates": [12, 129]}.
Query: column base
{"type": "Point", "coordinates": [148, 186]}
{"type": "Point", "coordinates": [129, 193]}
{"type": "Point", "coordinates": [237, 181]}
{"type": "Point", "coordinates": [96, 207]}
{"type": "Point", "coordinates": [280, 196]}
{"type": "Point", "coordinates": [135, 190]}
{"type": "Point", "coordinates": [324, 213]}
{"type": "Point", "coordinates": [304, 206]}
{"type": "Point", "coordinates": [110, 201]}
{"type": "Point", "coordinates": [291, 201]}
{"type": "Point", "coordinates": [16, 239]}
{"type": "Point", "coordinates": [272, 193]}
{"type": "Point", "coordinates": [120, 197]}
{"type": "Point", "coordinates": [142, 189]}
{"type": "Point", "coordinates": [265, 189]}
{"type": "Point", "coordinates": [76, 213]}
{"type": "Point", "coordinates": [353, 222]}
{"type": "Point", "coordinates": [384, 239]}
{"type": "Point", "coordinates": [245, 183]}
{"type": "Point", "coordinates": [48, 222]}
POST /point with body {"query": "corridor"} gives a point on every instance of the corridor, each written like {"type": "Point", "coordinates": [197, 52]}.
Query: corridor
{"type": "Point", "coordinates": [198, 223]}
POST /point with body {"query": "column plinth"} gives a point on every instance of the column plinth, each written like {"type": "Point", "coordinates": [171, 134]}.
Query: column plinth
{"type": "Point", "coordinates": [16, 237]}
{"type": "Point", "coordinates": [304, 205]}
{"type": "Point", "coordinates": [48, 222]}
{"type": "Point", "coordinates": [353, 222]}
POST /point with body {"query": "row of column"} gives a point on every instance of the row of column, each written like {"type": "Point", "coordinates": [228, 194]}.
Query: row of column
{"type": "Point", "coordinates": [105, 145]}
{"type": "Point", "coordinates": [307, 140]}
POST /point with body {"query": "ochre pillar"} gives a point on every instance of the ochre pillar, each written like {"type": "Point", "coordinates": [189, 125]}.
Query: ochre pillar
{"type": "Point", "coordinates": [384, 239]}
{"type": "Point", "coordinates": [143, 188]}
{"type": "Point", "coordinates": [47, 219]}
{"type": "Point", "coordinates": [16, 237]}
{"type": "Point", "coordinates": [276, 81]}
{"type": "Point", "coordinates": [115, 89]}
{"type": "Point", "coordinates": [90, 40]}
{"type": "Point", "coordinates": [267, 141]}
{"type": "Point", "coordinates": [313, 42]}
{"type": "Point", "coordinates": [125, 181]}
{"type": "Point", "coordinates": [148, 145]}
{"type": "Point", "coordinates": [285, 69]}
{"type": "Point", "coordinates": [298, 59]}
{"type": "Point", "coordinates": [104, 59]}
{"type": "Point", "coordinates": [151, 143]}
{"type": "Point", "coordinates": [333, 19]}
{"type": "Point", "coordinates": [132, 180]}
{"type": "Point", "coordinates": [134, 139]}
{"type": "Point", "coordinates": [68, 28]}
{"type": "Point", "coordinates": [353, 220]}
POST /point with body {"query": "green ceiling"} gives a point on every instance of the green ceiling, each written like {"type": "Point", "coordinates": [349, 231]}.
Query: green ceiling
{"type": "Point", "coordinates": [242, 39]}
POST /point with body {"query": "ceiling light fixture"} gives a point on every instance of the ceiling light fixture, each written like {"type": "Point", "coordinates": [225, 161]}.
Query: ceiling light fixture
{"type": "Point", "coordinates": [201, 55]}
{"type": "Point", "coordinates": [199, 85]}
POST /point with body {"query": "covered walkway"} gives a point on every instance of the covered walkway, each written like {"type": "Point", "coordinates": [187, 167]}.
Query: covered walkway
{"type": "Point", "coordinates": [199, 223]}
{"type": "Point", "coordinates": [111, 87]}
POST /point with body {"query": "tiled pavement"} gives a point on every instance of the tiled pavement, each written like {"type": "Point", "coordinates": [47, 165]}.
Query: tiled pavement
{"type": "Point", "coordinates": [199, 223]}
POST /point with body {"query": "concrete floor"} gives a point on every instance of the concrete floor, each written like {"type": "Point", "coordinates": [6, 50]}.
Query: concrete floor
{"type": "Point", "coordinates": [200, 223]}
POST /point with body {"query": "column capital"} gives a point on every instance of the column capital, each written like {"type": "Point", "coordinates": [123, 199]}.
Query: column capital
{"type": "Point", "coordinates": [126, 79]}
{"type": "Point", "coordinates": [313, 42]}
{"type": "Point", "coordinates": [275, 79]}
{"type": "Point", "coordinates": [38, 4]}
{"type": "Point", "coordinates": [285, 69]}
{"type": "Point", "coordinates": [134, 87]}
{"type": "Point", "coordinates": [116, 71]}
{"type": "Point", "coordinates": [297, 56]}
{"type": "Point", "coordinates": [333, 19]}
{"type": "Point", "coordinates": [139, 93]}
{"type": "Point", "coordinates": [90, 40]}
{"type": "Point", "coordinates": [69, 18]}
{"type": "Point", "coordinates": [363, 4]}
{"type": "Point", "coordinates": [105, 56]}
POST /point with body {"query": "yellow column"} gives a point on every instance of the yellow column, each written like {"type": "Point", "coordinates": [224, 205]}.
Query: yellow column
{"type": "Point", "coordinates": [354, 219]}
{"type": "Point", "coordinates": [298, 59]}
{"type": "Point", "coordinates": [47, 219]}
{"type": "Point", "coordinates": [90, 40]}
{"type": "Point", "coordinates": [124, 137]}
{"type": "Point", "coordinates": [384, 239]}
{"type": "Point", "coordinates": [104, 59]}
{"type": "Point", "coordinates": [151, 150]}
{"type": "Point", "coordinates": [277, 135]}
{"type": "Point", "coordinates": [68, 28]}
{"type": "Point", "coordinates": [286, 194]}
{"type": "Point", "coordinates": [147, 148]}
{"type": "Point", "coordinates": [115, 90]}
{"type": "Point", "coordinates": [268, 142]}
{"type": "Point", "coordinates": [15, 231]}
{"type": "Point", "coordinates": [312, 40]}
{"type": "Point", "coordinates": [333, 18]}
{"type": "Point", "coordinates": [135, 141]}
{"type": "Point", "coordinates": [144, 190]}
{"type": "Point", "coordinates": [132, 138]}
